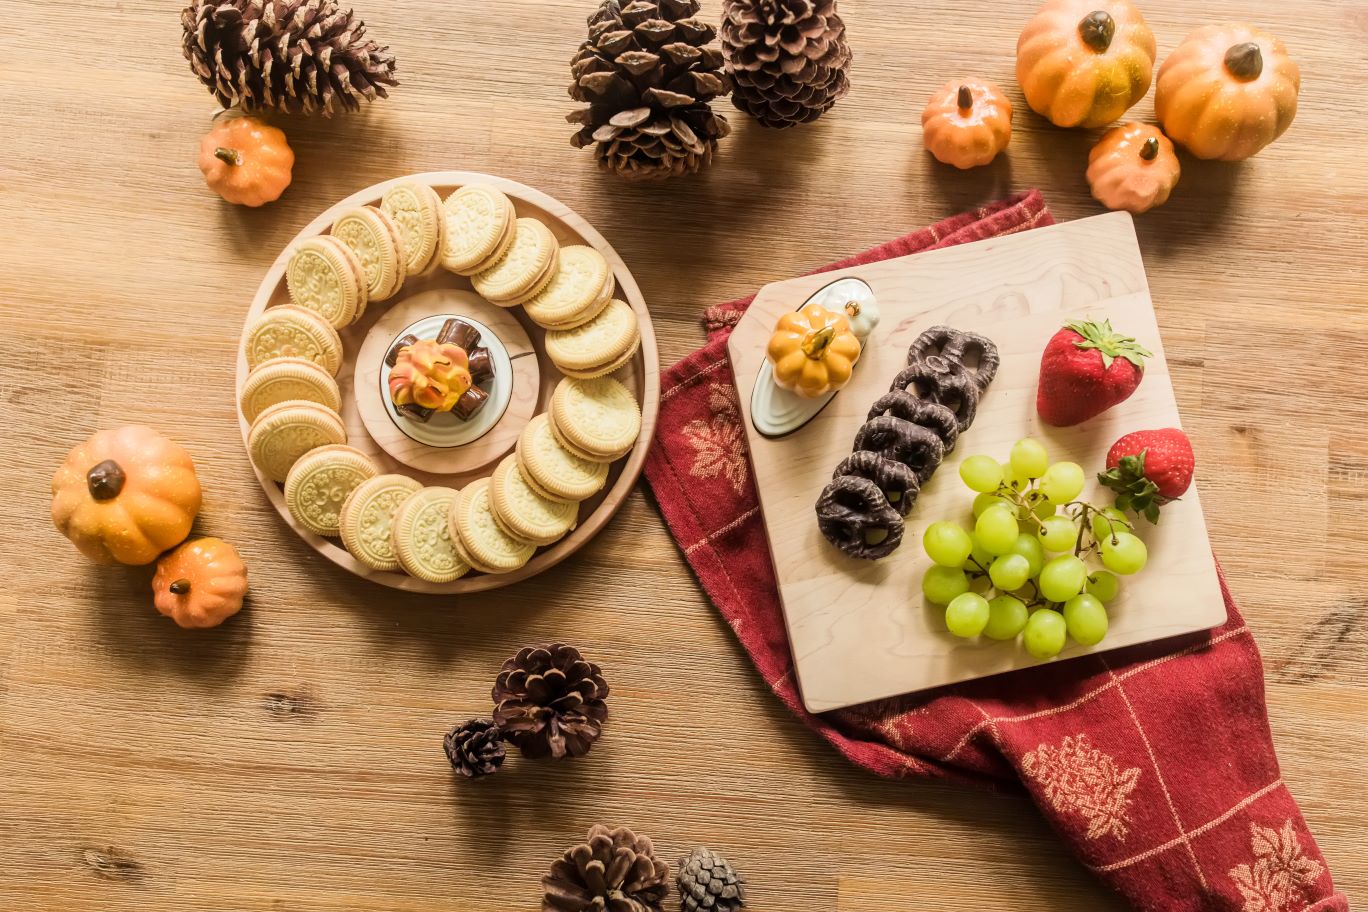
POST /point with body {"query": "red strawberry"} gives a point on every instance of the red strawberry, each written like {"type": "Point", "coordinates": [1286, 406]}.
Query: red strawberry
{"type": "Point", "coordinates": [1085, 370]}
{"type": "Point", "coordinates": [1147, 469]}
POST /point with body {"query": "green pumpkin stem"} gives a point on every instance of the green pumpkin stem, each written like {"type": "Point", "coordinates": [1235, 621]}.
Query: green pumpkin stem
{"type": "Point", "coordinates": [1150, 150]}
{"type": "Point", "coordinates": [228, 156]}
{"type": "Point", "coordinates": [965, 99]}
{"type": "Point", "coordinates": [1097, 30]}
{"type": "Point", "coordinates": [106, 480]}
{"type": "Point", "coordinates": [1244, 61]}
{"type": "Point", "coordinates": [180, 587]}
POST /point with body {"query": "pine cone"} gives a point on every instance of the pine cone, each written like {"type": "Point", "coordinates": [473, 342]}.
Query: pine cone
{"type": "Point", "coordinates": [286, 55]}
{"type": "Point", "coordinates": [647, 72]}
{"type": "Point", "coordinates": [550, 702]}
{"type": "Point", "coordinates": [708, 883]}
{"type": "Point", "coordinates": [616, 870]}
{"type": "Point", "coordinates": [475, 749]}
{"type": "Point", "coordinates": [787, 59]}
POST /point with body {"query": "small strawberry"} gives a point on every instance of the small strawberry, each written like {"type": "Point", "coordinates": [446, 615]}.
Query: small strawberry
{"type": "Point", "coordinates": [1086, 369]}
{"type": "Point", "coordinates": [1147, 469]}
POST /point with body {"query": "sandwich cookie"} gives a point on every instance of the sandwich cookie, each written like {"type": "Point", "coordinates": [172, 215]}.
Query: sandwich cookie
{"type": "Point", "coordinates": [522, 268]}
{"type": "Point", "coordinates": [417, 210]}
{"type": "Point", "coordinates": [524, 513]}
{"type": "Point", "coordinates": [582, 284]}
{"type": "Point", "coordinates": [371, 236]}
{"type": "Point", "coordinates": [293, 332]}
{"type": "Point", "coordinates": [598, 347]}
{"type": "Point", "coordinates": [286, 431]}
{"type": "Point", "coordinates": [422, 537]}
{"type": "Point", "coordinates": [367, 519]}
{"type": "Point", "coordinates": [321, 276]}
{"type": "Point", "coordinates": [478, 222]}
{"type": "Point", "coordinates": [320, 482]}
{"type": "Point", "coordinates": [480, 539]}
{"type": "Point", "coordinates": [553, 471]}
{"type": "Point", "coordinates": [597, 419]}
{"type": "Point", "coordinates": [283, 379]}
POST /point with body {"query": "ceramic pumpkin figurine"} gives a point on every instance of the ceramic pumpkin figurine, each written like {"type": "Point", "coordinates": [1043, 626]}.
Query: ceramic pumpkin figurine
{"type": "Point", "coordinates": [967, 123]}
{"type": "Point", "coordinates": [813, 351]}
{"type": "Point", "coordinates": [125, 495]}
{"type": "Point", "coordinates": [1084, 63]}
{"type": "Point", "coordinates": [1133, 167]}
{"type": "Point", "coordinates": [1227, 91]}
{"type": "Point", "coordinates": [430, 374]}
{"type": "Point", "coordinates": [245, 161]}
{"type": "Point", "coordinates": [200, 584]}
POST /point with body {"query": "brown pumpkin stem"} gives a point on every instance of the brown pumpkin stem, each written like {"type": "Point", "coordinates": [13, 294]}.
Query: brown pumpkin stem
{"type": "Point", "coordinates": [228, 156]}
{"type": "Point", "coordinates": [1150, 149]}
{"type": "Point", "coordinates": [965, 99]}
{"type": "Point", "coordinates": [1244, 61]}
{"type": "Point", "coordinates": [816, 342]}
{"type": "Point", "coordinates": [106, 480]}
{"type": "Point", "coordinates": [1097, 30]}
{"type": "Point", "coordinates": [180, 587]}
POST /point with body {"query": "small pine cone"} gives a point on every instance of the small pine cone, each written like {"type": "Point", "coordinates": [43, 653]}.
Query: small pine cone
{"type": "Point", "coordinates": [708, 883]}
{"type": "Point", "coordinates": [616, 870]}
{"type": "Point", "coordinates": [298, 56]}
{"type": "Point", "coordinates": [550, 702]}
{"type": "Point", "coordinates": [475, 749]}
{"type": "Point", "coordinates": [787, 59]}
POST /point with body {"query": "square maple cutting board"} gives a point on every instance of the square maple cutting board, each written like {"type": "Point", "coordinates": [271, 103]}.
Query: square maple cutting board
{"type": "Point", "coordinates": [860, 630]}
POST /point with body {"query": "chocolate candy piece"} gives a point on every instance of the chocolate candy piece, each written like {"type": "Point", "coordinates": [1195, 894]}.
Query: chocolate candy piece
{"type": "Point", "coordinates": [461, 333]}
{"type": "Point", "coordinates": [914, 446]}
{"type": "Point", "coordinates": [392, 358]}
{"type": "Point", "coordinates": [933, 415]}
{"type": "Point", "coordinates": [471, 401]}
{"type": "Point", "coordinates": [975, 353]}
{"type": "Point", "coordinates": [415, 412]}
{"type": "Point", "coordinates": [854, 515]}
{"type": "Point", "coordinates": [898, 483]}
{"type": "Point", "coordinates": [938, 379]}
{"type": "Point", "coordinates": [481, 366]}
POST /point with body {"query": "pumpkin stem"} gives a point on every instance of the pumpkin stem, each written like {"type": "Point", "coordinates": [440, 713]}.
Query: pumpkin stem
{"type": "Point", "coordinates": [228, 156]}
{"type": "Point", "coordinates": [816, 342]}
{"type": "Point", "coordinates": [180, 587]}
{"type": "Point", "coordinates": [1244, 61]}
{"type": "Point", "coordinates": [852, 308]}
{"type": "Point", "coordinates": [106, 480]}
{"type": "Point", "coordinates": [1150, 150]}
{"type": "Point", "coordinates": [965, 99]}
{"type": "Point", "coordinates": [1097, 30]}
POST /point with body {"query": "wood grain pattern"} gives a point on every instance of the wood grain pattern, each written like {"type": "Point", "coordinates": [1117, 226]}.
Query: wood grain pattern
{"type": "Point", "coordinates": [290, 760]}
{"type": "Point", "coordinates": [860, 630]}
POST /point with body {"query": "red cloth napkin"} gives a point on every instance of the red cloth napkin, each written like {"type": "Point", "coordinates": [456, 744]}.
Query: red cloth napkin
{"type": "Point", "coordinates": [1155, 764]}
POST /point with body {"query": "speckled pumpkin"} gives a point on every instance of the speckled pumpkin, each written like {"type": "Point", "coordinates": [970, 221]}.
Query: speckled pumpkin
{"type": "Point", "coordinates": [1227, 91]}
{"type": "Point", "coordinates": [1133, 167]}
{"type": "Point", "coordinates": [967, 123]}
{"type": "Point", "coordinates": [1084, 63]}
{"type": "Point", "coordinates": [200, 584]}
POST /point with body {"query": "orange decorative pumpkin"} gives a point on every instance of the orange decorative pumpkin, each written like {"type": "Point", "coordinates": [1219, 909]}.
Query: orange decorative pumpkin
{"type": "Point", "coordinates": [1084, 63]}
{"type": "Point", "coordinates": [1227, 91]}
{"type": "Point", "coordinates": [201, 583]}
{"type": "Point", "coordinates": [813, 351]}
{"type": "Point", "coordinates": [125, 495]}
{"type": "Point", "coordinates": [967, 123]}
{"type": "Point", "coordinates": [246, 161]}
{"type": "Point", "coordinates": [1133, 167]}
{"type": "Point", "coordinates": [430, 374]}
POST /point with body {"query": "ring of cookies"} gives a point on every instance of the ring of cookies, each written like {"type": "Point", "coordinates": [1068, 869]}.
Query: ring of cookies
{"type": "Point", "coordinates": [388, 521]}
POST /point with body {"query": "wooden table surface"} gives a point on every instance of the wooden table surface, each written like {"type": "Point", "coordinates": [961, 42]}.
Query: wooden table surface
{"type": "Point", "coordinates": [291, 759]}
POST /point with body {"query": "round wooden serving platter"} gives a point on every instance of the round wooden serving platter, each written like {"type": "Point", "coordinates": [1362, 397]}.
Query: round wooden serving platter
{"type": "Point", "coordinates": [641, 375]}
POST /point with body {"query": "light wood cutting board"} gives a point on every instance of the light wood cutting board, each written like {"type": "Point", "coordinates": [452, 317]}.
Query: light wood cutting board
{"type": "Point", "coordinates": [860, 630]}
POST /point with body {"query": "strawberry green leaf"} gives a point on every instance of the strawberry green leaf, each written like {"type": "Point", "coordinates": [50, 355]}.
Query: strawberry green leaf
{"type": "Point", "coordinates": [1109, 343]}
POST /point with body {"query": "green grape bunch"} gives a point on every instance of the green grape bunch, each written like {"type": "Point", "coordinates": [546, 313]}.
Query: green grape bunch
{"type": "Point", "coordinates": [1029, 567]}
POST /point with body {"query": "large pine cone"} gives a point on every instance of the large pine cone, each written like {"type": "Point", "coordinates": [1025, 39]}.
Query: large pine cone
{"type": "Point", "coordinates": [287, 55]}
{"type": "Point", "coordinates": [787, 59]}
{"type": "Point", "coordinates": [708, 883]}
{"type": "Point", "coordinates": [615, 871]}
{"type": "Point", "coordinates": [550, 702]}
{"type": "Point", "coordinates": [647, 72]}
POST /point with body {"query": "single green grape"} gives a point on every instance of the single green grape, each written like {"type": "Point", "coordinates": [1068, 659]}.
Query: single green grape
{"type": "Point", "coordinates": [1029, 547]}
{"type": "Point", "coordinates": [967, 614]}
{"type": "Point", "coordinates": [1062, 482]}
{"type": "Point", "coordinates": [947, 543]}
{"type": "Point", "coordinates": [1086, 619]}
{"type": "Point", "coordinates": [940, 584]}
{"type": "Point", "coordinates": [1011, 571]}
{"type": "Point", "coordinates": [984, 501]}
{"type": "Point", "coordinates": [1123, 553]}
{"type": "Point", "coordinates": [996, 530]}
{"type": "Point", "coordinates": [1058, 533]}
{"type": "Point", "coordinates": [1029, 458]}
{"type": "Point", "coordinates": [1108, 521]}
{"type": "Point", "coordinates": [981, 473]}
{"type": "Point", "coordinates": [1007, 615]}
{"type": "Point", "coordinates": [1103, 585]}
{"type": "Point", "coordinates": [1044, 634]}
{"type": "Point", "coordinates": [1063, 578]}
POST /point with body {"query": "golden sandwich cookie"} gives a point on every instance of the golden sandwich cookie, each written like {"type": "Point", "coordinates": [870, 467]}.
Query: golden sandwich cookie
{"type": "Point", "coordinates": [598, 347]}
{"type": "Point", "coordinates": [292, 332]}
{"type": "Point", "coordinates": [524, 513]}
{"type": "Point", "coordinates": [320, 277]}
{"type": "Point", "coordinates": [581, 285]}
{"type": "Point", "coordinates": [371, 236]}
{"type": "Point", "coordinates": [417, 210]}
{"type": "Point", "coordinates": [533, 251]}
{"type": "Point", "coordinates": [283, 379]}
{"type": "Point", "coordinates": [367, 519]}
{"type": "Point", "coordinates": [595, 419]}
{"type": "Point", "coordinates": [422, 537]}
{"type": "Point", "coordinates": [478, 228]}
{"type": "Point", "coordinates": [286, 431]}
{"type": "Point", "coordinates": [553, 471]}
{"type": "Point", "coordinates": [483, 542]}
{"type": "Point", "coordinates": [319, 484]}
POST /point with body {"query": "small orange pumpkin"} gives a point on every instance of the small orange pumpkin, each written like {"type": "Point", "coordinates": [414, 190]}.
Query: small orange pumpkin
{"type": "Point", "coordinates": [1227, 91]}
{"type": "Point", "coordinates": [245, 161]}
{"type": "Point", "coordinates": [967, 123]}
{"type": "Point", "coordinates": [430, 374]}
{"type": "Point", "coordinates": [813, 351]}
{"type": "Point", "coordinates": [201, 583]}
{"type": "Point", "coordinates": [125, 495]}
{"type": "Point", "coordinates": [1133, 167]}
{"type": "Point", "coordinates": [1084, 63]}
